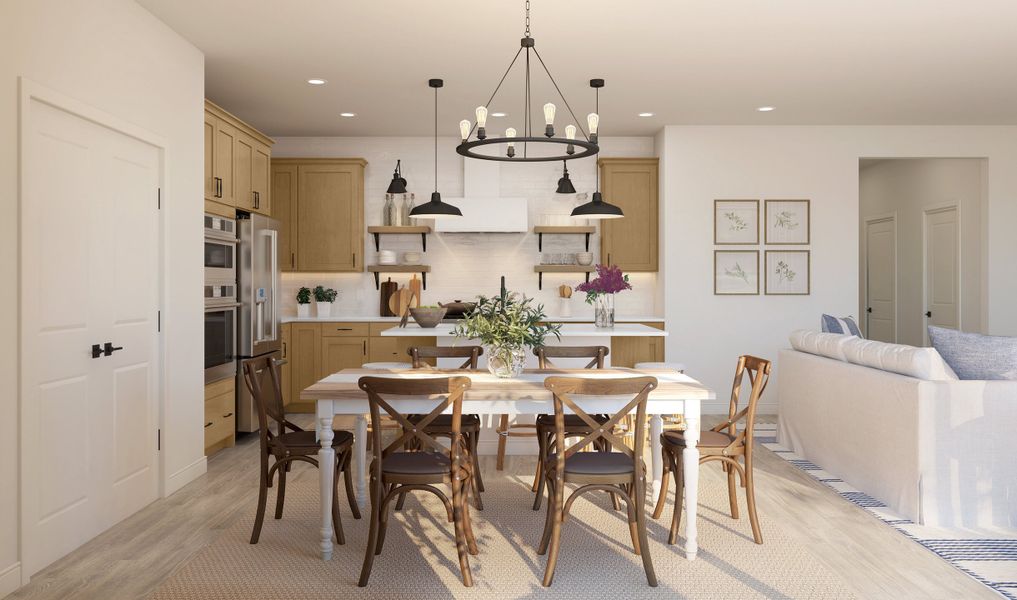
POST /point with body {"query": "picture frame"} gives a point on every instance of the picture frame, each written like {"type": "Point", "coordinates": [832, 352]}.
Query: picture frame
{"type": "Point", "coordinates": [787, 222]}
{"type": "Point", "coordinates": [736, 272]}
{"type": "Point", "coordinates": [788, 272]}
{"type": "Point", "coordinates": [735, 222]}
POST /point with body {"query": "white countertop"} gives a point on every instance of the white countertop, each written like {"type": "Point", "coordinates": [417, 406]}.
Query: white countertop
{"type": "Point", "coordinates": [376, 319]}
{"type": "Point", "coordinates": [567, 330]}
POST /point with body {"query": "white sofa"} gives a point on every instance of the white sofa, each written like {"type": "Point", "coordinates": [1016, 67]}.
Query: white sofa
{"type": "Point", "coordinates": [941, 453]}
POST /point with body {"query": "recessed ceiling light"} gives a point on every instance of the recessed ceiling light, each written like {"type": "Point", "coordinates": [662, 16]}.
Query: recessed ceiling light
{"type": "Point", "coordinates": [645, 114]}
{"type": "Point", "coordinates": [765, 108]}
{"type": "Point", "coordinates": [498, 114]}
{"type": "Point", "coordinates": [316, 81]}
{"type": "Point", "coordinates": [347, 114]}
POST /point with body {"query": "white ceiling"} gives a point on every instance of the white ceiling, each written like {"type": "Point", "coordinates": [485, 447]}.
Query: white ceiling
{"type": "Point", "coordinates": [688, 61]}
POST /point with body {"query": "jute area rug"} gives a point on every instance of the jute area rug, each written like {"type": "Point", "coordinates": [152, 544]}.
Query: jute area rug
{"type": "Point", "coordinates": [419, 559]}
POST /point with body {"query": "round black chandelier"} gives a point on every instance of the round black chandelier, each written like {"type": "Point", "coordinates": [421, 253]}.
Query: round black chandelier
{"type": "Point", "coordinates": [574, 147]}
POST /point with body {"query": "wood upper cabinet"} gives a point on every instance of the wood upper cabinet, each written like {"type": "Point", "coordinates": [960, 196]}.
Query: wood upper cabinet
{"type": "Point", "coordinates": [320, 203]}
{"type": "Point", "coordinates": [284, 200]}
{"type": "Point", "coordinates": [630, 242]}
{"type": "Point", "coordinates": [237, 159]}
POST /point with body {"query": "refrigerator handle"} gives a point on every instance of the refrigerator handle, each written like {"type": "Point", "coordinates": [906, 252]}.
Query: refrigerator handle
{"type": "Point", "coordinates": [274, 252]}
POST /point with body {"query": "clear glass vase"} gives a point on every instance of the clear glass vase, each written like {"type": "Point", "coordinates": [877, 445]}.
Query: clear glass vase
{"type": "Point", "coordinates": [603, 310]}
{"type": "Point", "coordinates": [505, 362]}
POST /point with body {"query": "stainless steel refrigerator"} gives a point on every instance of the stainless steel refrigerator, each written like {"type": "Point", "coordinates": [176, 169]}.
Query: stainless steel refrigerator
{"type": "Point", "coordinates": [258, 322]}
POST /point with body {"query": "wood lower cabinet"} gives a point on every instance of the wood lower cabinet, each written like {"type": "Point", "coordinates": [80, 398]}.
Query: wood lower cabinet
{"type": "Point", "coordinates": [627, 351]}
{"type": "Point", "coordinates": [220, 421]}
{"type": "Point", "coordinates": [630, 242]}
{"type": "Point", "coordinates": [338, 353]}
{"type": "Point", "coordinates": [237, 162]}
{"type": "Point", "coordinates": [304, 360]}
{"type": "Point", "coordinates": [320, 203]}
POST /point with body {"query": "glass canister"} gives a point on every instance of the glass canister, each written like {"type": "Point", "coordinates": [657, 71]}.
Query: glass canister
{"type": "Point", "coordinates": [409, 201]}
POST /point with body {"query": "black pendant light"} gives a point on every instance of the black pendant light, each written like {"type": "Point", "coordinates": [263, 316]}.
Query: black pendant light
{"type": "Point", "coordinates": [435, 209]}
{"type": "Point", "coordinates": [398, 185]}
{"type": "Point", "coordinates": [565, 184]}
{"type": "Point", "coordinates": [597, 208]}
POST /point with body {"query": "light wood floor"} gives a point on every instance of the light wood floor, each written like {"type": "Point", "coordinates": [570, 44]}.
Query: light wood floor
{"type": "Point", "coordinates": [132, 558]}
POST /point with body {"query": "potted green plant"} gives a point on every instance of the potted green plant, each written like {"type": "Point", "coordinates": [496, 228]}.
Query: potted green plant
{"type": "Point", "coordinates": [507, 326]}
{"type": "Point", "coordinates": [323, 299]}
{"type": "Point", "coordinates": [304, 302]}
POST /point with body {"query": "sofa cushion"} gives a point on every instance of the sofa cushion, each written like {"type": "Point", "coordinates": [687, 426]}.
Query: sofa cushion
{"type": "Point", "coordinates": [920, 363]}
{"type": "Point", "coordinates": [976, 356]}
{"type": "Point", "coordinates": [830, 345]}
{"type": "Point", "coordinates": [845, 326]}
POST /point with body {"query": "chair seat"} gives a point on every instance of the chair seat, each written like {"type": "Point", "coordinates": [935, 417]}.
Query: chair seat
{"type": "Point", "coordinates": [444, 422]}
{"type": "Point", "coordinates": [707, 439]}
{"type": "Point", "coordinates": [416, 463]}
{"type": "Point", "coordinates": [572, 422]}
{"type": "Point", "coordinates": [307, 439]}
{"type": "Point", "coordinates": [594, 463]}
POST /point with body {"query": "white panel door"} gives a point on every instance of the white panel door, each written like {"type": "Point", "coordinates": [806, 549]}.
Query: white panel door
{"type": "Point", "coordinates": [942, 268]}
{"type": "Point", "coordinates": [90, 275]}
{"type": "Point", "coordinates": [881, 280]}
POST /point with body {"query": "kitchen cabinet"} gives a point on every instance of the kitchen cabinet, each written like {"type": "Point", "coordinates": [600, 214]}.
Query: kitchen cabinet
{"type": "Point", "coordinates": [630, 242]}
{"type": "Point", "coordinates": [321, 207]}
{"type": "Point", "coordinates": [237, 159]}
{"type": "Point", "coordinates": [341, 352]}
{"type": "Point", "coordinates": [304, 357]}
{"type": "Point", "coordinates": [220, 422]}
{"type": "Point", "coordinates": [627, 351]}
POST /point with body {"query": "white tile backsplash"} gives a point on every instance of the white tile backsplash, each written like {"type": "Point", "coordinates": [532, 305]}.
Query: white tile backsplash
{"type": "Point", "coordinates": [465, 264]}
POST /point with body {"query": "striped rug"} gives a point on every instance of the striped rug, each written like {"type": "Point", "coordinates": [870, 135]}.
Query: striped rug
{"type": "Point", "coordinates": [989, 557]}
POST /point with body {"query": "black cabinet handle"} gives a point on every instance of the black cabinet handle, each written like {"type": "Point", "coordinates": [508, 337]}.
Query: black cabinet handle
{"type": "Point", "coordinates": [284, 349]}
{"type": "Point", "coordinates": [868, 310]}
{"type": "Point", "coordinates": [207, 425]}
{"type": "Point", "coordinates": [227, 415]}
{"type": "Point", "coordinates": [96, 350]}
{"type": "Point", "coordinates": [108, 349]}
{"type": "Point", "coordinates": [218, 187]}
{"type": "Point", "coordinates": [344, 329]}
{"type": "Point", "coordinates": [928, 314]}
{"type": "Point", "coordinates": [365, 347]}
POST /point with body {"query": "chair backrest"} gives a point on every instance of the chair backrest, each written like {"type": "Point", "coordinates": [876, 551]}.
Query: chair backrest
{"type": "Point", "coordinates": [265, 384]}
{"type": "Point", "coordinates": [470, 353]}
{"type": "Point", "coordinates": [565, 389]}
{"type": "Point", "coordinates": [595, 353]}
{"type": "Point", "coordinates": [445, 391]}
{"type": "Point", "coordinates": [758, 371]}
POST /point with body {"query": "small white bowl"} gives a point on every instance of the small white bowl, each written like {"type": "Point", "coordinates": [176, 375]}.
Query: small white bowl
{"type": "Point", "coordinates": [584, 258]}
{"type": "Point", "coordinates": [412, 258]}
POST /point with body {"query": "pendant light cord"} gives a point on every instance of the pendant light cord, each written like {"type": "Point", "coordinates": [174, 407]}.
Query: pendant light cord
{"type": "Point", "coordinates": [435, 139]}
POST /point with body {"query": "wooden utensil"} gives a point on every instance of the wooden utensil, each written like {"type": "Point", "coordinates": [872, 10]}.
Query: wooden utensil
{"type": "Point", "coordinates": [387, 289]}
{"type": "Point", "coordinates": [400, 301]}
{"type": "Point", "coordinates": [565, 291]}
{"type": "Point", "coordinates": [415, 288]}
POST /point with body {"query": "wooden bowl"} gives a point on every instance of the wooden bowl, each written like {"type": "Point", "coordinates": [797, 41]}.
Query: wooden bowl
{"type": "Point", "coordinates": [427, 317]}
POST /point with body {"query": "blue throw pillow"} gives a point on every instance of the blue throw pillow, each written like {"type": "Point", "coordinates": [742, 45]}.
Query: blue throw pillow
{"type": "Point", "coordinates": [976, 356]}
{"type": "Point", "coordinates": [845, 326]}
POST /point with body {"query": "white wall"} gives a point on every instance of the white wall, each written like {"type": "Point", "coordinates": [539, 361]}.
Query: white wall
{"type": "Point", "coordinates": [464, 265]}
{"type": "Point", "coordinates": [708, 332]}
{"type": "Point", "coordinates": [906, 188]}
{"type": "Point", "coordinates": [118, 58]}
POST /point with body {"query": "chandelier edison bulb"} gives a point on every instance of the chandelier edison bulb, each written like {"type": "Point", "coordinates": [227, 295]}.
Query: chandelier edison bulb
{"type": "Point", "coordinates": [464, 129]}
{"type": "Point", "coordinates": [510, 133]}
{"type": "Point", "coordinates": [570, 135]}
{"type": "Point", "coordinates": [481, 122]}
{"type": "Point", "coordinates": [592, 121]}
{"type": "Point", "coordinates": [549, 109]}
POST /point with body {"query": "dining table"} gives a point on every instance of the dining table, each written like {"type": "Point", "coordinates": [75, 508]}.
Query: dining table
{"type": "Point", "coordinates": [525, 394]}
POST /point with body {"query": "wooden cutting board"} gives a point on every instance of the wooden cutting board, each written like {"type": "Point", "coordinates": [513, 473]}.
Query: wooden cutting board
{"type": "Point", "coordinates": [415, 289]}
{"type": "Point", "coordinates": [399, 302]}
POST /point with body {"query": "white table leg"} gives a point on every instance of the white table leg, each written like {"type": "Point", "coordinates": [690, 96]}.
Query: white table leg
{"type": "Point", "coordinates": [360, 459]}
{"type": "Point", "coordinates": [326, 475]}
{"type": "Point", "coordinates": [656, 460]}
{"type": "Point", "coordinates": [690, 464]}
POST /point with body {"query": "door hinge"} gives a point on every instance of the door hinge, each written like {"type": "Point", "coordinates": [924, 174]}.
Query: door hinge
{"type": "Point", "coordinates": [158, 198]}
{"type": "Point", "coordinates": [158, 439]}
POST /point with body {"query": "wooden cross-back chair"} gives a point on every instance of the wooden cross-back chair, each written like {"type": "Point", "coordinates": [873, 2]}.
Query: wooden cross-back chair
{"type": "Point", "coordinates": [288, 444]}
{"type": "Point", "coordinates": [573, 424]}
{"type": "Point", "coordinates": [395, 470]}
{"type": "Point", "coordinates": [470, 426]}
{"type": "Point", "coordinates": [620, 472]}
{"type": "Point", "coordinates": [723, 443]}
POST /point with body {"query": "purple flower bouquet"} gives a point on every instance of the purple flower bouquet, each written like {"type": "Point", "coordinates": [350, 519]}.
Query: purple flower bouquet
{"type": "Point", "coordinates": [601, 290]}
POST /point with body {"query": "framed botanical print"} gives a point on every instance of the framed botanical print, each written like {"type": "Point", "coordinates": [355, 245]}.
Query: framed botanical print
{"type": "Point", "coordinates": [736, 272]}
{"type": "Point", "coordinates": [787, 222]}
{"type": "Point", "coordinates": [735, 222]}
{"type": "Point", "coordinates": [788, 272]}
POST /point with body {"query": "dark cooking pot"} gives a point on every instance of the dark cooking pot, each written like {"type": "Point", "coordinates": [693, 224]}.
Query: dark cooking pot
{"type": "Point", "coordinates": [458, 307]}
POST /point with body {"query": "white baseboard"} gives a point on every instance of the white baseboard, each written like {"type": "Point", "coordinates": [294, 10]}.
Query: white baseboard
{"type": "Point", "coordinates": [10, 579]}
{"type": "Point", "coordinates": [186, 475]}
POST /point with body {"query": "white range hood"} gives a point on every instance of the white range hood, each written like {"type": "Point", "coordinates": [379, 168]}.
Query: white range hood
{"type": "Point", "coordinates": [483, 210]}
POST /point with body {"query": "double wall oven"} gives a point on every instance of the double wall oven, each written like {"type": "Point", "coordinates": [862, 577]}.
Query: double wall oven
{"type": "Point", "coordinates": [222, 306]}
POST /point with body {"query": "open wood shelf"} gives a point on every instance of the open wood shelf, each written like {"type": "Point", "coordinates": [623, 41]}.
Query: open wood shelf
{"type": "Point", "coordinates": [586, 230]}
{"type": "Point", "coordinates": [378, 230]}
{"type": "Point", "coordinates": [379, 269]}
{"type": "Point", "coordinates": [541, 269]}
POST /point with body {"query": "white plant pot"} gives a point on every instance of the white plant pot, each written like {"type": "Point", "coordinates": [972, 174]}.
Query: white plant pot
{"type": "Point", "coordinates": [303, 311]}
{"type": "Point", "coordinates": [324, 309]}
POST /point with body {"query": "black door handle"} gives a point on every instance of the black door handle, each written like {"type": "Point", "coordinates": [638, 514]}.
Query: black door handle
{"type": "Point", "coordinates": [928, 314]}
{"type": "Point", "coordinates": [109, 349]}
{"type": "Point", "coordinates": [868, 310]}
{"type": "Point", "coordinates": [96, 350]}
